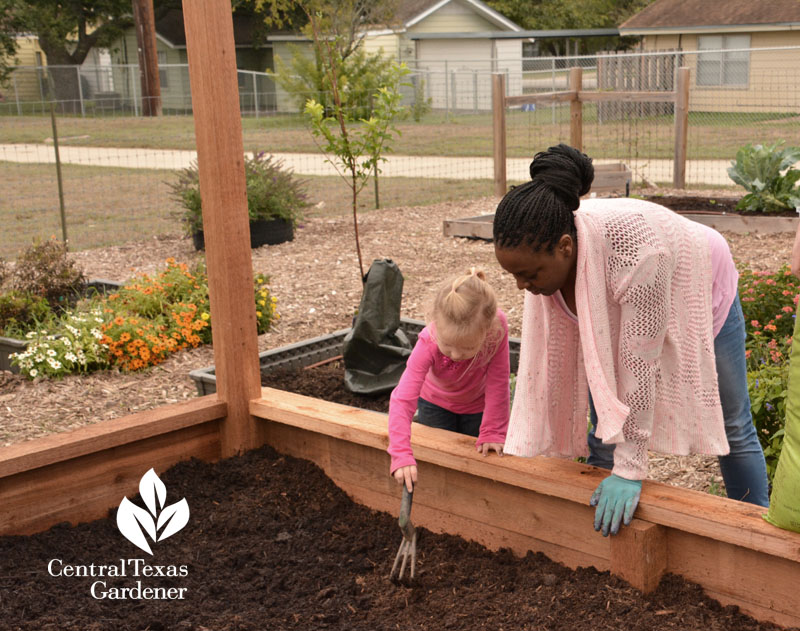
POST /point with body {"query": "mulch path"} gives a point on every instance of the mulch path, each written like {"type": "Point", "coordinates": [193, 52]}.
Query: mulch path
{"type": "Point", "coordinates": [272, 543]}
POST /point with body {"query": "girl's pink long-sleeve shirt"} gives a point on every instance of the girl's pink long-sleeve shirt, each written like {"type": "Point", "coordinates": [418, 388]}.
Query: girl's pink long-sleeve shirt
{"type": "Point", "coordinates": [468, 386]}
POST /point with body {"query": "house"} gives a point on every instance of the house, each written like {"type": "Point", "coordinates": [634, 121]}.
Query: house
{"type": "Point", "coordinates": [715, 41]}
{"type": "Point", "coordinates": [252, 54]}
{"type": "Point", "coordinates": [453, 45]}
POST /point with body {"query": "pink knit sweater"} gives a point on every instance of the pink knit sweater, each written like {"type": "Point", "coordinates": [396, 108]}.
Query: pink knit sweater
{"type": "Point", "coordinates": [643, 344]}
{"type": "Point", "coordinates": [465, 387]}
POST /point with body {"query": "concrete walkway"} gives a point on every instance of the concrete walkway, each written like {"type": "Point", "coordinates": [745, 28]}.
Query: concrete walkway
{"type": "Point", "coordinates": [699, 172]}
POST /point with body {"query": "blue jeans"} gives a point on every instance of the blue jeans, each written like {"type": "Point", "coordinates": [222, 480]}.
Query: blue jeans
{"type": "Point", "coordinates": [433, 415]}
{"type": "Point", "coordinates": [744, 469]}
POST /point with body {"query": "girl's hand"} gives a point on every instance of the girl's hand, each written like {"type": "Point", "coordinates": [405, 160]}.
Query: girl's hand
{"type": "Point", "coordinates": [407, 475]}
{"type": "Point", "coordinates": [486, 448]}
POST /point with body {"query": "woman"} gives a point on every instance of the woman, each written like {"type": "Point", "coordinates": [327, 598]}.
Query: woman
{"type": "Point", "coordinates": [633, 311]}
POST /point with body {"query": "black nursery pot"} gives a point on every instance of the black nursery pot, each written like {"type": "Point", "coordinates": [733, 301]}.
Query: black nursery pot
{"type": "Point", "coordinates": [262, 232]}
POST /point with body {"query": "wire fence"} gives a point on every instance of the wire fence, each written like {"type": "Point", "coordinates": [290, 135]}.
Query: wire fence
{"type": "Point", "coordinates": [117, 166]}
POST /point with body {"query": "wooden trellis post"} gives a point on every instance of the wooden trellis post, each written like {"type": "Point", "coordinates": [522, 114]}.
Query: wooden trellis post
{"type": "Point", "coordinates": [220, 161]}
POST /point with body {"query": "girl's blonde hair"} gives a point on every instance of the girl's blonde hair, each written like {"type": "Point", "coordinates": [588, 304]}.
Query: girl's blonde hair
{"type": "Point", "coordinates": [465, 308]}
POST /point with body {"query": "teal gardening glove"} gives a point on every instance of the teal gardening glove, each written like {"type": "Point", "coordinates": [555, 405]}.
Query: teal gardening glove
{"type": "Point", "coordinates": [616, 499]}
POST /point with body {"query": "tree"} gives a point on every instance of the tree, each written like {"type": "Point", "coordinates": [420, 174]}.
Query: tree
{"type": "Point", "coordinates": [571, 14]}
{"type": "Point", "coordinates": [67, 31]}
{"type": "Point", "coordinates": [342, 22]}
{"type": "Point", "coordinates": [9, 26]}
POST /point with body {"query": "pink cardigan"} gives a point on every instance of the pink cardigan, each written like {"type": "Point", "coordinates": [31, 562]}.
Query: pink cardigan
{"type": "Point", "coordinates": [643, 344]}
{"type": "Point", "coordinates": [464, 387]}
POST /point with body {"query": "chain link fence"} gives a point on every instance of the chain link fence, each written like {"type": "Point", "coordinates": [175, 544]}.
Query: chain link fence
{"type": "Point", "coordinates": [116, 166]}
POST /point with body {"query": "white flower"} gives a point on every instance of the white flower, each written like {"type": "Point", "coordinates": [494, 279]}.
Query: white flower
{"type": "Point", "coordinates": [71, 357]}
{"type": "Point", "coordinates": [33, 372]}
{"type": "Point", "coordinates": [39, 358]}
{"type": "Point", "coordinates": [97, 333]}
{"type": "Point", "coordinates": [51, 353]}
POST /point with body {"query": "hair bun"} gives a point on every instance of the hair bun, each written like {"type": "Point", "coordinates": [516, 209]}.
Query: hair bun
{"type": "Point", "coordinates": [566, 171]}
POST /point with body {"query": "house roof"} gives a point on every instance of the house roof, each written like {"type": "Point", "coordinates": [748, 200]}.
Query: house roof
{"type": "Point", "coordinates": [702, 15]}
{"type": "Point", "coordinates": [170, 29]}
{"type": "Point", "coordinates": [411, 12]}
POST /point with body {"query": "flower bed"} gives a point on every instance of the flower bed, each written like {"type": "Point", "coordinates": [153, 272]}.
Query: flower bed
{"type": "Point", "coordinates": [10, 345]}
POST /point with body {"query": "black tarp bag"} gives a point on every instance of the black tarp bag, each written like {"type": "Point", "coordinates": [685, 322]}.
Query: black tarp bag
{"type": "Point", "coordinates": [375, 350]}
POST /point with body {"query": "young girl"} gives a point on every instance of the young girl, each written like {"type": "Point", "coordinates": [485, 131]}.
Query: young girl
{"type": "Point", "coordinates": [633, 311]}
{"type": "Point", "coordinates": [457, 375]}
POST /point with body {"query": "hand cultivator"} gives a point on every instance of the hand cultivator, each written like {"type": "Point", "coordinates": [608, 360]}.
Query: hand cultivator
{"type": "Point", "coordinates": [408, 546]}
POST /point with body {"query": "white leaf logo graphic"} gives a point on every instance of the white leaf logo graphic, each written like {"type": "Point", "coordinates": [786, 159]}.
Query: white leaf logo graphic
{"type": "Point", "coordinates": [133, 521]}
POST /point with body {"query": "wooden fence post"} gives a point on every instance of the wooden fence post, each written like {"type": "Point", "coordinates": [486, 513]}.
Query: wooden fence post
{"type": "Point", "coordinates": [220, 161]}
{"type": "Point", "coordinates": [681, 128]}
{"type": "Point", "coordinates": [499, 132]}
{"type": "Point", "coordinates": [576, 109]}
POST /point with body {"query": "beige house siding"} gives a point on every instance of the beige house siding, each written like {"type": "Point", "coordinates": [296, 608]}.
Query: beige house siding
{"type": "Point", "coordinates": [28, 82]}
{"type": "Point", "coordinates": [454, 17]}
{"type": "Point", "coordinates": [387, 44]}
{"type": "Point", "coordinates": [768, 72]}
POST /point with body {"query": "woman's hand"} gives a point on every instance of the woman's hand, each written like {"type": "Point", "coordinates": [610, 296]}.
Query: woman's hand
{"type": "Point", "coordinates": [487, 448]}
{"type": "Point", "coordinates": [406, 475]}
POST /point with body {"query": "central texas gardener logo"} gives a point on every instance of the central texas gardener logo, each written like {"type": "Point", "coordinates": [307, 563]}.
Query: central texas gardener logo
{"type": "Point", "coordinates": [134, 521]}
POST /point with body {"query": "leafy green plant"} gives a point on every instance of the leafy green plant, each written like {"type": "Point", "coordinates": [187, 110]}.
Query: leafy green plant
{"type": "Point", "coordinates": [768, 386]}
{"type": "Point", "coordinates": [360, 75]}
{"type": "Point", "coordinates": [357, 146]}
{"type": "Point", "coordinates": [273, 192]}
{"type": "Point", "coordinates": [20, 312]}
{"type": "Point", "coordinates": [766, 172]}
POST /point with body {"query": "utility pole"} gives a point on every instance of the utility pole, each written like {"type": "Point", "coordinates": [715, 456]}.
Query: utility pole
{"type": "Point", "coordinates": [145, 22]}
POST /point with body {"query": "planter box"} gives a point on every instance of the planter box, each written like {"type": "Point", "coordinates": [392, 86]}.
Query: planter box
{"type": "Point", "coordinates": [480, 227]}
{"type": "Point", "coordinates": [307, 352]}
{"type": "Point", "coordinates": [262, 232]}
{"type": "Point", "coordinates": [9, 345]}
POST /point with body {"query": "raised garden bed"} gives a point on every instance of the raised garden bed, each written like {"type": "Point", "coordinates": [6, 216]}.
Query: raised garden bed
{"type": "Point", "coordinates": [272, 543]}
{"type": "Point", "coordinates": [10, 345]}
{"type": "Point", "coordinates": [315, 350]}
{"type": "Point", "coordinates": [719, 213]}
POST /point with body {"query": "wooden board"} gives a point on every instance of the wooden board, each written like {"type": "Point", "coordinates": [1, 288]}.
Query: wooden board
{"type": "Point", "coordinates": [78, 476]}
{"type": "Point", "coordinates": [541, 504]}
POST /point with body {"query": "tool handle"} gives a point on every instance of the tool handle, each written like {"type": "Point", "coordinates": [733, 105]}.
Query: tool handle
{"type": "Point", "coordinates": [405, 507]}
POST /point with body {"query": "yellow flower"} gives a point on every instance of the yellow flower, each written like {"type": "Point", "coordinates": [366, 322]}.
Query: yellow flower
{"type": "Point", "coordinates": [263, 303]}
{"type": "Point", "coordinates": [274, 300]}
{"type": "Point", "coordinates": [204, 316]}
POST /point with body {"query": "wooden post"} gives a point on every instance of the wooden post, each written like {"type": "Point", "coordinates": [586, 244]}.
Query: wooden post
{"type": "Point", "coordinates": [145, 22]}
{"type": "Point", "coordinates": [639, 554]}
{"type": "Point", "coordinates": [681, 128]}
{"type": "Point", "coordinates": [220, 161]}
{"type": "Point", "coordinates": [576, 108]}
{"type": "Point", "coordinates": [499, 132]}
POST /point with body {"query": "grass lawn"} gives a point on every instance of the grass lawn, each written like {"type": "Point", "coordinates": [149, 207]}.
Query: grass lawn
{"type": "Point", "coordinates": [711, 135]}
{"type": "Point", "coordinates": [111, 206]}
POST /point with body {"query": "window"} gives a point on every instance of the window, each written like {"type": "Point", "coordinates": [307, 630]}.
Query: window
{"type": "Point", "coordinates": [162, 74]}
{"type": "Point", "coordinates": [723, 64]}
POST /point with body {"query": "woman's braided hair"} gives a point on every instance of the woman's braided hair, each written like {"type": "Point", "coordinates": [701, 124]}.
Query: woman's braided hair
{"type": "Point", "coordinates": [538, 212]}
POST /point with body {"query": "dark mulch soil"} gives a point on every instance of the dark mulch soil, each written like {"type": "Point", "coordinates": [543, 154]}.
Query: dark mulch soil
{"type": "Point", "coordinates": [272, 543]}
{"type": "Point", "coordinates": [323, 382]}
{"type": "Point", "coordinates": [686, 202]}
{"type": "Point", "coordinates": [705, 204]}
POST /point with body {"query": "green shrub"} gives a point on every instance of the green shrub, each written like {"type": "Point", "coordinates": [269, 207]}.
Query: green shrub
{"type": "Point", "coordinates": [765, 171]}
{"type": "Point", "coordinates": [273, 192]}
{"type": "Point", "coordinates": [769, 304]}
{"type": "Point", "coordinates": [768, 387]}
{"type": "Point", "coordinates": [20, 312]}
